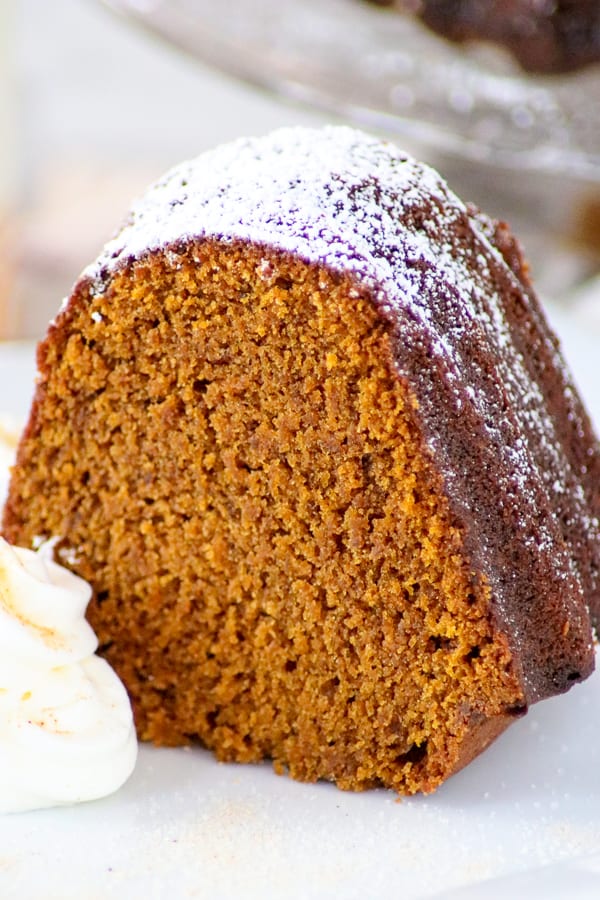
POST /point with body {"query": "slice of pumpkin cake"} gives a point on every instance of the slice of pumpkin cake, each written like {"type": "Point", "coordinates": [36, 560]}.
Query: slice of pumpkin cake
{"type": "Point", "coordinates": [304, 429]}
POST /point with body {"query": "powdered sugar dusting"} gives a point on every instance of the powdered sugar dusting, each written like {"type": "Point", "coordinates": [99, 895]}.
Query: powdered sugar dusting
{"type": "Point", "coordinates": [290, 191]}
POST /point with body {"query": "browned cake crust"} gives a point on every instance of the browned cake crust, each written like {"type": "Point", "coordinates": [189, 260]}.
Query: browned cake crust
{"type": "Point", "coordinates": [551, 36]}
{"type": "Point", "coordinates": [304, 428]}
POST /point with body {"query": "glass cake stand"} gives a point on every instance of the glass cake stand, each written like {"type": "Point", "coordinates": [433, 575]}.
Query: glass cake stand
{"type": "Point", "coordinates": [525, 148]}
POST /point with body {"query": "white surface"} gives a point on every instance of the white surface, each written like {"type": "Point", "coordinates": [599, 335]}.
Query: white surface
{"type": "Point", "coordinates": [523, 820]}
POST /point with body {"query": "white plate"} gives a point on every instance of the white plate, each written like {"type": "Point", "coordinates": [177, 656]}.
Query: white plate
{"type": "Point", "coordinates": [523, 820]}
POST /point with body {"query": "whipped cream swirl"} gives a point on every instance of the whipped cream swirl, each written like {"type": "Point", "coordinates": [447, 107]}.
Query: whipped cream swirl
{"type": "Point", "coordinates": [66, 726]}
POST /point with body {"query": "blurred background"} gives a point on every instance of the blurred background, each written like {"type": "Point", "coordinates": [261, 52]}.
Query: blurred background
{"type": "Point", "coordinates": [93, 107]}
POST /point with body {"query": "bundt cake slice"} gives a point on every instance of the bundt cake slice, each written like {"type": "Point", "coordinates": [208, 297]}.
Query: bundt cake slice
{"type": "Point", "coordinates": [304, 429]}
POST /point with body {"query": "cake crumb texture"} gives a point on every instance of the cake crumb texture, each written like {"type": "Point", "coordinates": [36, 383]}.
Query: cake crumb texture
{"type": "Point", "coordinates": [266, 541]}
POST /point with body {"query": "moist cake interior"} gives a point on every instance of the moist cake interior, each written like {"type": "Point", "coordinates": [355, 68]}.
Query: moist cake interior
{"type": "Point", "coordinates": [277, 571]}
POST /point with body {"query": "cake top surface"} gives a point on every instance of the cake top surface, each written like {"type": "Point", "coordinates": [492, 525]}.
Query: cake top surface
{"type": "Point", "coordinates": [332, 195]}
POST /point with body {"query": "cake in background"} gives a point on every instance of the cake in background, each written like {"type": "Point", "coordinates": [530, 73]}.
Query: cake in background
{"type": "Point", "coordinates": [549, 37]}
